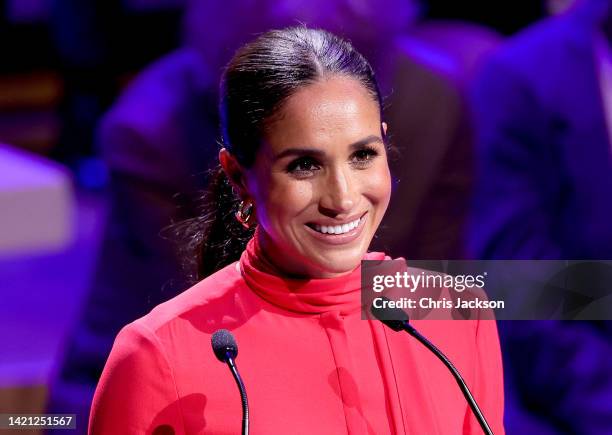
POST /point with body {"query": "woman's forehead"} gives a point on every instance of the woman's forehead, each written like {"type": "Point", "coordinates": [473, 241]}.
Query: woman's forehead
{"type": "Point", "coordinates": [328, 109]}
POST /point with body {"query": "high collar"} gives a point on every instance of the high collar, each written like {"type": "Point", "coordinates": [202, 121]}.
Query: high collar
{"type": "Point", "coordinates": [302, 296]}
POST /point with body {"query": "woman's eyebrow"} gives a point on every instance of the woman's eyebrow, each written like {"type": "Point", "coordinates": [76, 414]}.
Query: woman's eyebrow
{"type": "Point", "coordinates": [317, 152]}
{"type": "Point", "coordinates": [365, 141]}
{"type": "Point", "coordinates": [300, 152]}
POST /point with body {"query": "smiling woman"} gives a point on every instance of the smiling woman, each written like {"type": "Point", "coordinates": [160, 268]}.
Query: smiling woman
{"type": "Point", "coordinates": [304, 147]}
{"type": "Point", "coordinates": [302, 187]}
{"type": "Point", "coordinates": [320, 183]}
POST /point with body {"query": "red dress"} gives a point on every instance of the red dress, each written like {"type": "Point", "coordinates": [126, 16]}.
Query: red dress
{"type": "Point", "coordinates": [310, 364]}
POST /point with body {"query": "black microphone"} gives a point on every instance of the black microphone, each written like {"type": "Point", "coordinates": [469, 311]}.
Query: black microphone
{"type": "Point", "coordinates": [397, 319]}
{"type": "Point", "coordinates": [226, 350]}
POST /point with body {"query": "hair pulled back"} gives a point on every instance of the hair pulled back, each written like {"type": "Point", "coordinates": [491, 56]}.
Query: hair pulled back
{"type": "Point", "coordinates": [261, 76]}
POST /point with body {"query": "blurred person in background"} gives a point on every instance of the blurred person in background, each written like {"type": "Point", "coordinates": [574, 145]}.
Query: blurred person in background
{"type": "Point", "coordinates": [543, 111]}
{"type": "Point", "coordinates": [99, 44]}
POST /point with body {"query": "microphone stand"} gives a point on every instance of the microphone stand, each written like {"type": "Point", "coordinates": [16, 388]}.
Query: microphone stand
{"type": "Point", "coordinates": [243, 395]}
{"type": "Point", "coordinates": [462, 385]}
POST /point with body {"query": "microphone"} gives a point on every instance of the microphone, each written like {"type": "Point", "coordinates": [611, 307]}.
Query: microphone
{"type": "Point", "coordinates": [226, 350]}
{"type": "Point", "coordinates": [397, 319]}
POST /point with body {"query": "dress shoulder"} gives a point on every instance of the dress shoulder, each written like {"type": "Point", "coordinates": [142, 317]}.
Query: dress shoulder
{"type": "Point", "coordinates": [212, 293]}
{"type": "Point", "coordinates": [137, 381]}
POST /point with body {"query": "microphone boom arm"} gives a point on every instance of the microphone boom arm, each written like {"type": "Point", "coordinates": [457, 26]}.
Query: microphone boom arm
{"type": "Point", "coordinates": [462, 385]}
{"type": "Point", "coordinates": [243, 394]}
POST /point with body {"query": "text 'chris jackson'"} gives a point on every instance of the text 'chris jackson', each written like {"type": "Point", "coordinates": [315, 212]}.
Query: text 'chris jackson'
{"type": "Point", "coordinates": [444, 303]}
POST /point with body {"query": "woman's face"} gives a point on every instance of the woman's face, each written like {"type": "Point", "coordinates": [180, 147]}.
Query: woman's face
{"type": "Point", "coordinates": [320, 182]}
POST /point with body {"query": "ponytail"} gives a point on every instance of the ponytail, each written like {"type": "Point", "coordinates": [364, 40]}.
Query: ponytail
{"type": "Point", "coordinates": [214, 238]}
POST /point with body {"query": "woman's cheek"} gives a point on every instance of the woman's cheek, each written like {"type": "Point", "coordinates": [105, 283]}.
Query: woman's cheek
{"type": "Point", "coordinates": [288, 199]}
{"type": "Point", "coordinates": [379, 186]}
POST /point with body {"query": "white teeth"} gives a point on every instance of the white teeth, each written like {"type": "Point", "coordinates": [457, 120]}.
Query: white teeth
{"type": "Point", "coordinates": [337, 229]}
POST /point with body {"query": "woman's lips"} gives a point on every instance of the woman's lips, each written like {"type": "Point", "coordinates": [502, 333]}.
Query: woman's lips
{"type": "Point", "coordinates": [339, 239]}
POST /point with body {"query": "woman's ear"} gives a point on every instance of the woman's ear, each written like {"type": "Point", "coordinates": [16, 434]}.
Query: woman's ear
{"type": "Point", "coordinates": [233, 171]}
{"type": "Point", "coordinates": [384, 128]}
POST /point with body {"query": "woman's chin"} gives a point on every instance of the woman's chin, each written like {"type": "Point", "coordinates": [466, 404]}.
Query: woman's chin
{"type": "Point", "coordinates": [334, 260]}
{"type": "Point", "coordinates": [332, 266]}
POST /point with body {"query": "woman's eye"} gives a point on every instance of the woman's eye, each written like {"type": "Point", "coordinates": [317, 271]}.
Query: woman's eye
{"type": "Point", "coordinates": [303, 165]}
{"type": "Point", "coordinates": [364, 156]}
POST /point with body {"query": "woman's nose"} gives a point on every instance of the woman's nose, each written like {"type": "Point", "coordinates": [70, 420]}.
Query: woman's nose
{"type": "Point", "coordinates": [339, 193]}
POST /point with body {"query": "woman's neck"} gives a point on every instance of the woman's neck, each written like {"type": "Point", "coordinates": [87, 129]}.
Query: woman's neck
{"type": "Point", "coordinates": [282, 264]}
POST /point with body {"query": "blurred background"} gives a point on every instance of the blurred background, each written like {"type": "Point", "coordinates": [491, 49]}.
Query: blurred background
{"type": "Point", "coordinates": [501, 113]}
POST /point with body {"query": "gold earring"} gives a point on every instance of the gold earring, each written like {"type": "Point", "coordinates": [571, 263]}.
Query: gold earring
{"type": "Point", "coordinates": [245, 213]}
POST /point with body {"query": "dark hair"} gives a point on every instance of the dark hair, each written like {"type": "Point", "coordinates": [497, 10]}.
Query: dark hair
{"type": "Point", "coordinates": [261, 76]}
